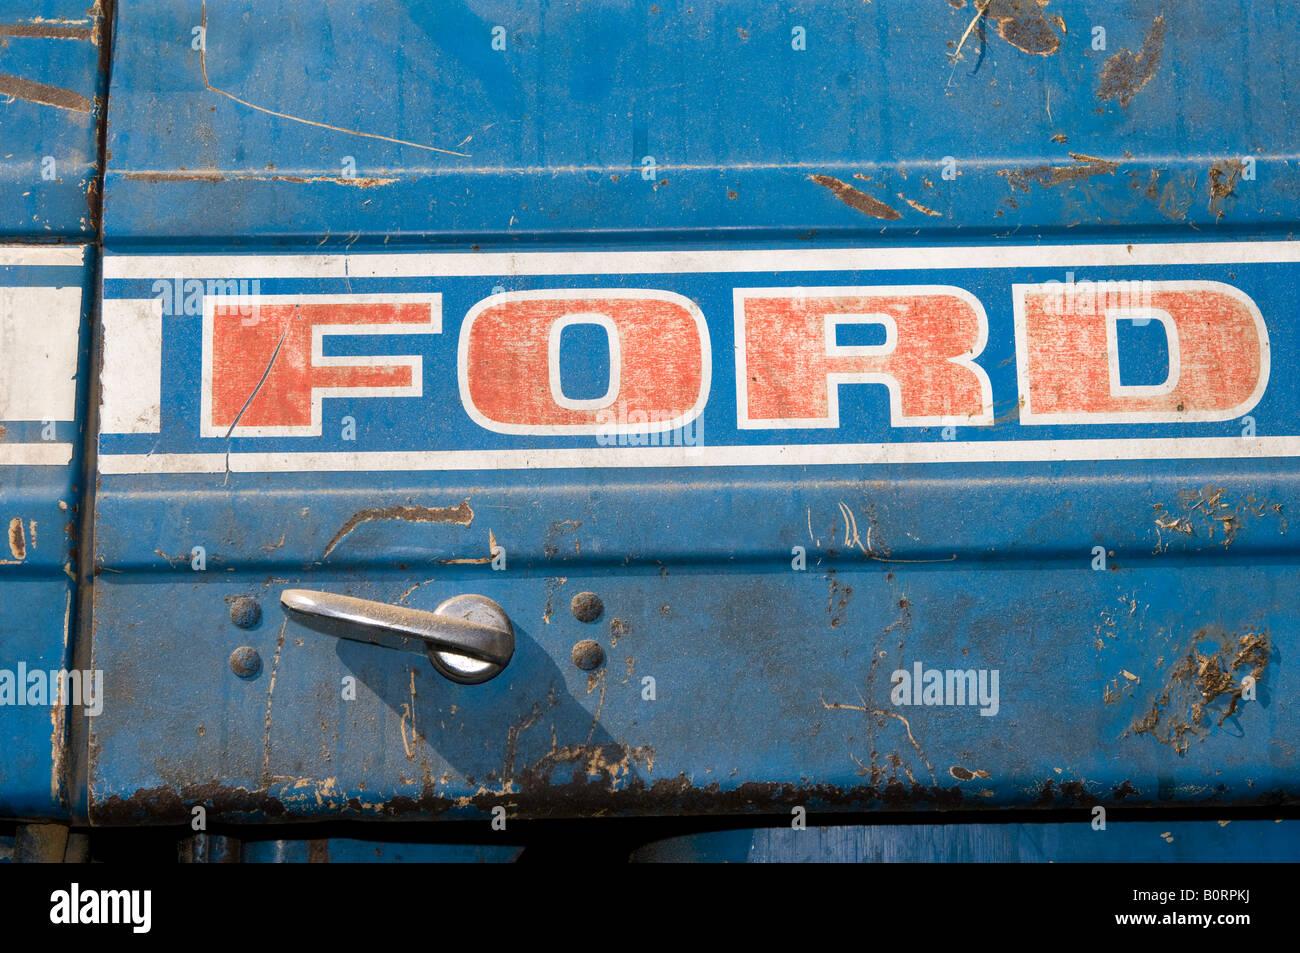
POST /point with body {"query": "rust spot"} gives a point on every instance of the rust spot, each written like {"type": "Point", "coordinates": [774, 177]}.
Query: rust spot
{"type": "Point", "coordinates": [1181, 712]}
{"type": "Point", "coordinates": [1047, 176]}
{"type": "Point", "coordinates": [167, 805]}
{"type": "Point", "coordinates": [43, 94]}
{"type": "Point", "coordinates": [1126, 73]}
{"type": "Point", "coordinates": [1070, 793]}
{"type": "Point", "coordinates": [919, 207]}
{"type": "Point", "coordinates": [47, 31]}
{"type": "Point", "coordinates": [17, 540]}
{"type": "Point", "coordinates": [356, 181]}
{"type": "Point", "coordinates": [966, 774]}
{"type": "Point", "coordinates": [461, 515]}
{"type": "Point", "coordinates": [1121, 791]}
{"type": "Point", "coordinates": [837, 601]}
{"type": "Point", "coordinates": [855, 199]}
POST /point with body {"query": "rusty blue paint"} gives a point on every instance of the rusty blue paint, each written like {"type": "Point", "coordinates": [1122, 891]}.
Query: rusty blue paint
{"type": "Point", "coordinates": [52, 83]}
{"type": "Point", "coordinates": [40, 493]}
{"type": "Point", "coordinates": [52, 86]}
{"type": "Point", "coordinates": [771, 684]}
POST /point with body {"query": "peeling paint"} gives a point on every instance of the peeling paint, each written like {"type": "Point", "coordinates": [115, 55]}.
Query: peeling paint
{"type": "Point", "coordinates": [17, 539]}
{"type": "Point", "coordinates": [461, 515]}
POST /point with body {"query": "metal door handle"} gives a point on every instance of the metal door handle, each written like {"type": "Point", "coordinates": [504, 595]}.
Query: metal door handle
{"type": "Point", "coordinates": [469, 638]}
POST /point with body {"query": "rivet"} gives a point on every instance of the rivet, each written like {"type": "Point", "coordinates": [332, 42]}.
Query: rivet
{"type": "Point", "coordinates": [245, 612]}
{"type": "Point", "coordinates": [245, 662]}
{"type": "Point", "coordinates": [587, 607]}
{"type": "Point", "coordinates": [588, 655]}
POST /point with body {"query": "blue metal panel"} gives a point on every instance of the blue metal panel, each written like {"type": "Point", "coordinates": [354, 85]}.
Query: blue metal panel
{"type": "Point", "coordinates": [343, 850]}
{"type": "Point", "coordinates": [906, 564]}
{"type": "Point", "coordinates": [44, 307]}
{"type": "Point", "coordinates": [52, 78]}
{"type": "Point", "coordinates": [548, 137]}
{"type": "Point", "coordinates": [52, 84]}
{"type": "Point", "coordinates": [1127, 842]}
{"type": "Point", "coordinates": [952, 547]}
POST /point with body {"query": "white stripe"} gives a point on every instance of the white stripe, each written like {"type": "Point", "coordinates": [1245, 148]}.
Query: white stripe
{"type": "Point", "coordinates": [993, 451]}
{"type": "Point", "coordinates": [131, 373]}
{"type": "Point", "coordinates": [42, 454]}
{"type": "Point", "coordinates": [39, 335]}
{"type": "Point", "coordinates": [459, 264]}
{"type": "Point", "coordinates": [41, 256]}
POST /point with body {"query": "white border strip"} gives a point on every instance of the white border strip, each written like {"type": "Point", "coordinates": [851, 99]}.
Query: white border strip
{"type": "Point", "coordinates": [43, 454]}
{"type": "Point", "coordinates": [42, 256]}
{"type": "Point", "coordinates": [992, 451]}
{"type": "Point", "coordinates": [460, 264]}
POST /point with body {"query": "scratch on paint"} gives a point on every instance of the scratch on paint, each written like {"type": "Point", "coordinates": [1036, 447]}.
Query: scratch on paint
{"type": "Point", "coordinates": [408, 715]}
{"type": "Point", "coordinates": [851, 537]}
{"type": "Point", "coordinates": [404, 596]}
{"type": "Point", "coordinates": [475, 560]}
{"type": "Point", "coordinates": [297, 311]}
{"type": "Point", "coordinates": [203, 66]}
{"type": "Point", "coordinates": [270, 691]}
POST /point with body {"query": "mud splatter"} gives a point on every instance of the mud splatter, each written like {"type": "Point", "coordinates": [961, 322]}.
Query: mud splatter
{"type": "Point", "coordinates": [1127, 72]}
{"type": "Point", "coordinates": [1027, 25]}
{"type": "Point", "coordinates": [855, 199]}
{"type": "Point", "coordinates": [1047, 176]}
{"type": "Point", "coordinates": [1223, 185]}
{"type": "Point", "coordinates": [1210, 513]}
{"type": "Point", "coordinates": [1203, 683]}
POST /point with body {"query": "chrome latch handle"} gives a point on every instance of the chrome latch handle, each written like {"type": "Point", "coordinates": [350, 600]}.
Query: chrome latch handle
{"type": "Point", "coordinates": [469, 638]}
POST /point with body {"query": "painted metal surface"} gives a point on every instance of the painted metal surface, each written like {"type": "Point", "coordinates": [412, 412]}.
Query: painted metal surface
{"type": "Point", "coordinates": [45, 295]}
{"type": "Point", "coordinates": [1143, 842]}
{"type": "Point", "coordinates": [1116, 576]}
{"type": "Point", "coordinates": [515, 121]}
{"type": "Point", "coordinates": [51, 101]}
{"type": "Point", "coordinates": [52, 79]}
{"type": "Point", "coordinates": [344, 850]}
